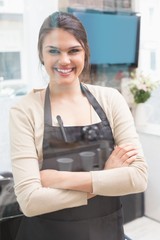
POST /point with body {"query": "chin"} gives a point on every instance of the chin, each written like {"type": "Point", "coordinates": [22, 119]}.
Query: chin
{"type": "Point", "coordinates": [66, 80]}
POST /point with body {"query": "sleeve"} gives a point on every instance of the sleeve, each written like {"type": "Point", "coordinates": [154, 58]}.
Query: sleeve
{"type": "Point", "coordinates": [124, 180]}
{"type": "Point", "coordinates": [31, 196]}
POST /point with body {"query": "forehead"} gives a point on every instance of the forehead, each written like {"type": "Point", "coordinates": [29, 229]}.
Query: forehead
{"type": "Point", "coordinates": [60, 38]}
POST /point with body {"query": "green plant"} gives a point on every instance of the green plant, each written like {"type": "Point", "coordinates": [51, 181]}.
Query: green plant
{"type": "Point", "coordinates": [141, 86]}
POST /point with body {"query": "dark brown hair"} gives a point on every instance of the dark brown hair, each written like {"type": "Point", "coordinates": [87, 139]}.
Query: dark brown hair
{"type": "Point", "coordinates": [71, 24]}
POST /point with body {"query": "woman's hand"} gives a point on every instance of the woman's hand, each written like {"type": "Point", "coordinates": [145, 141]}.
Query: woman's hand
{"type": "Point", "coordinates": [122, 156]}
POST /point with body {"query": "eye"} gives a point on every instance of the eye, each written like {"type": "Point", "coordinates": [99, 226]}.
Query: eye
{"type": "Point", "coordinates": [54, 51]}
{"type": "Point", "coordinates": [74, 50]}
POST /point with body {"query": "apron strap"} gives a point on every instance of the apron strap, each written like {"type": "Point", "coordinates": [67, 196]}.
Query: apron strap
{"type": "Point", "coordinates": [95, 104]}
{"type": "Point", "coordinates": [92, 100]}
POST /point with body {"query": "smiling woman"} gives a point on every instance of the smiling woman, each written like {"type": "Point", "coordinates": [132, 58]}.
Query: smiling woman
{"type": "Point", "coordinates": [63, 56]}
{"type": "Point", "coordinates": [71, 43]}
{"type": "Point", "coordinates": [66, 119]}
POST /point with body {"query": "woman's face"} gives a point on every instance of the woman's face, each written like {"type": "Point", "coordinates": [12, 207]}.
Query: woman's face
{"type": "Point", "coordinates": [63, 56]}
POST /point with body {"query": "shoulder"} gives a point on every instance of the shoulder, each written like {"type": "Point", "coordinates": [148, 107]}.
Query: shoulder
{"type": "Point", "coordinates": [111, 100]}
{"type": "Point", "coordinates": [28, 108]}
{"type": "Point", "coordinates": [30, 101]}
{"type": "Point", "coordinates": [103, 93]}
{"type": "Point", "coordinates": [100, 89]}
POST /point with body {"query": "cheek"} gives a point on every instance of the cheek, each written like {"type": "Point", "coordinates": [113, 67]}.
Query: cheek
{"type": "Point", "coordinates": [48, 61]}
{"type": "Point", "coordinates": [46, 57]}
{"type": "Point", "coordinates": [82, 61]}
{"type": "Point", "coordinates": [48, 65]}
{"type": "Point", "coordinates": [82, 65]}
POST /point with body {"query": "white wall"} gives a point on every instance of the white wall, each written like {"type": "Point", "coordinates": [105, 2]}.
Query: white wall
{"type": "Point", "coordinates": [12, 6]}
{"type": "Point", "coordinates": [150, 139]}
{"type": "Point", "coordinates": [5, 104]}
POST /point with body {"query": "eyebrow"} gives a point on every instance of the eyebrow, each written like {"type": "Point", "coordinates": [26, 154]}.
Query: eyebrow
{"type": "Point", "coordinates": [53, 47]}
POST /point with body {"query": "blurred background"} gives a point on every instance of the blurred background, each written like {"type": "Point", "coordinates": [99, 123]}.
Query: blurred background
{"type": "Point", "coordinates": [124, 38]}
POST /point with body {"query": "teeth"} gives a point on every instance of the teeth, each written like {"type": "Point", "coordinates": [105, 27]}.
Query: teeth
{"type": "Point", "coordinates": [64, 70]}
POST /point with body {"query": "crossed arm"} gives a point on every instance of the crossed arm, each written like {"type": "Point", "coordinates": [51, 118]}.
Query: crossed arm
{"type": "Point", "coordinates": [121, 156]}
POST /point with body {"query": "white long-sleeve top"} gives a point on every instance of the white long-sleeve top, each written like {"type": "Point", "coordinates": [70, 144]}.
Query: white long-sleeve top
{"type": "Point", "coordinates": [26, 135]}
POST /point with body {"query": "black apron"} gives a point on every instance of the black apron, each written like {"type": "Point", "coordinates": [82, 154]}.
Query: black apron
{"type": "Point", "coordinates": [101, 218]}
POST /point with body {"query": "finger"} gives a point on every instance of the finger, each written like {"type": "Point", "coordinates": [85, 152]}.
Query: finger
{"type": "Point", "coordinates": [120, 151]}
{"type": "Point", "coordinates": [129, 161]}
{"type": "Point", "coordinates": [132, 153]}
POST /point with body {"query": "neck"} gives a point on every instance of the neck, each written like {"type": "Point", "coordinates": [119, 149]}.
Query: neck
{"type": "Point", "coordinates": [68, 90]}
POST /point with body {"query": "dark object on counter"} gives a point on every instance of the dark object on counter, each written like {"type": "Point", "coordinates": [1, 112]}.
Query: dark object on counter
{"type": "Point", "coordinates": [9, 206]}
{"type": "Point", "coordinates": [10, 214]}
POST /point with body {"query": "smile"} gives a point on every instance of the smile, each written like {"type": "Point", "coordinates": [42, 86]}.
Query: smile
{"type": "Point", "coordinates": [64, 71]}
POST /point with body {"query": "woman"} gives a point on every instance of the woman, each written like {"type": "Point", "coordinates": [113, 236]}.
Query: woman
{"type": "Point", "coordinates": [72, 204]}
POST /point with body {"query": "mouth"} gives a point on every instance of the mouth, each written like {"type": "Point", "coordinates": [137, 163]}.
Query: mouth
{"type": "Point", "coordinates": [64, 71]}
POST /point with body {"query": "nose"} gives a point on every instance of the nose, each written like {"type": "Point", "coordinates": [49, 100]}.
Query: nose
{"type": "Point", "coordinates": [64, 59]}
